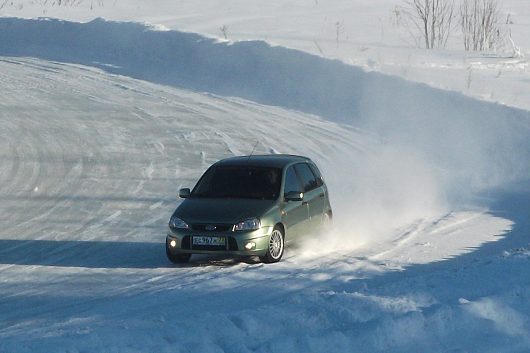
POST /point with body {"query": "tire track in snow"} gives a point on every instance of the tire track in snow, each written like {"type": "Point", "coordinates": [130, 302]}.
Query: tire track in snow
{"type": "Point", "coordinates": [89, 149]}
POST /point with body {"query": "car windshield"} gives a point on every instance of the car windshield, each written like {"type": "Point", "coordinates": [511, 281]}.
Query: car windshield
{"type": "Point", "coordinates": [247, 182]}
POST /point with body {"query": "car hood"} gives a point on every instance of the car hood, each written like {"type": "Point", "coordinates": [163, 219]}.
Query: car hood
{"type": "Point", "coordinates": [223, 211]}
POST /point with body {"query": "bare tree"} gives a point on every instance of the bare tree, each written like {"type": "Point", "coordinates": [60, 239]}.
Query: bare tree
{"type": "Point", "coordinates": [517, 52]}
{"type": "Point", "coordinates": [338, 30]}
{"type": "Point", "coordinates": [480, 23]}
{"type": "Point", "coordinates": [224, 30]}
{"type": "Point", "coordinates": [432, 21]}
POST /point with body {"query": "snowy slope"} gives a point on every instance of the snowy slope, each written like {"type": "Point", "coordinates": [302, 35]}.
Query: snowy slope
{"type": "Point", "coordinates": [91, 164]}
{"type": "Point", "coordinates": [370, 34]}
{"type": "Point", "coordinates": [102, 122]}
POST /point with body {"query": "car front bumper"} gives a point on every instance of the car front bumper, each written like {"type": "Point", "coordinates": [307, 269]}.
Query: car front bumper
{"type": "Point", "coordinates": [181, 241]}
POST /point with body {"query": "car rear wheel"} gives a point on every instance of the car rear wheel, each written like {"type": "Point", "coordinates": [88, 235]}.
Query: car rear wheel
{"type": "Point", "coordinates": [327, 220]}
{"type": "Point", "coordinates": [177, 258]}
{"type": "Point", "coordinates": [276, 246]}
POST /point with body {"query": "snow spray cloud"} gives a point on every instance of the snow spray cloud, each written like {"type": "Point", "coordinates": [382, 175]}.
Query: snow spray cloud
{"type": "Point", "coordinates": [433, 151]}
{"type": "Point", "coordinates": [374, 193]}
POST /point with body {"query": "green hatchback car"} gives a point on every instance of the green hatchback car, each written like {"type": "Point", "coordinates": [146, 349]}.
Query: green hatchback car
{"type": "Point", "coordinates": [249, 206]}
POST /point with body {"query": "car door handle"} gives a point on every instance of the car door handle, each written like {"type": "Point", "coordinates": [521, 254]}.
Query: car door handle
{"type": "Point", "coordinates": [321, 195]}
{"type": "Point", "coordinates": [305, 202]}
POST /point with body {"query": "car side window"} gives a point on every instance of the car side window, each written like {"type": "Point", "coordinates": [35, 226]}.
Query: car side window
{"type": "Point", "coordinates": [308, 178]}
{"type": "Point", "coordinates": [292, 183]}
{"type": "Point", "coordinates": [317, 174]}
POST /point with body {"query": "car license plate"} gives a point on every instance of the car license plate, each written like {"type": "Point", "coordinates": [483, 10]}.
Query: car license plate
{"type": "Point", "coordinates": [211, 241]}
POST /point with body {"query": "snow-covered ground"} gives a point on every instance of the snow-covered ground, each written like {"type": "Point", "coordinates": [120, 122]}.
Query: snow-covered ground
{"type": "Point", "coordinates": [91, 163]}
{"type": "Point", "coordinates": [102, 122]}
{"type": "Point", "coordinates": [371, 34]}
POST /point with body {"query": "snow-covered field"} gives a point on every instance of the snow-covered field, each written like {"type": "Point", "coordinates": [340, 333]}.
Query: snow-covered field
{"type": "Point", "coordinates": [102, 122]}
{"type": "Point", "coordinates": [371, 34]}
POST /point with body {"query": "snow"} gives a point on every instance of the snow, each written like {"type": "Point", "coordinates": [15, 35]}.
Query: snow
{"type": "Point", "coordinates": [102, 122]}
{"type": "Point", "coordinates": [370, 34]}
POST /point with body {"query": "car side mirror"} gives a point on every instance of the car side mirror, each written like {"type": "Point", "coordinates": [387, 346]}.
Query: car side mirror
{"type": "Point", "coordinates": [184, 193]}
{"type": "Point", "coordinates": [294, 196]}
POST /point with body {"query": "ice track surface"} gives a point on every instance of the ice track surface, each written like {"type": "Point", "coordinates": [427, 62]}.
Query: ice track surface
{"type": "Point", "coordinates": [90, 166]}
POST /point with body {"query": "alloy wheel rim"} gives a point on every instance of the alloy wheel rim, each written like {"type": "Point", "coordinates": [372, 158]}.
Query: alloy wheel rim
{"type": "Point", "coordinates": [276, 244]}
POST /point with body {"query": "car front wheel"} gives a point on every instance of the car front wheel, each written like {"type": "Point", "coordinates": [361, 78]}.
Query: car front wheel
{"type": "Point", "coordinates": [276, 246]}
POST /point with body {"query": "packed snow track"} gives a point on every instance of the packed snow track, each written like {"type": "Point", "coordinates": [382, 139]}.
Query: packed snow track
{"type": "Point", "coordinates": [91, 164]}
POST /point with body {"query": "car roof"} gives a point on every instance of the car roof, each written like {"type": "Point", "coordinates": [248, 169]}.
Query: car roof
{"type": "Point", "coordinates": [269, 160]}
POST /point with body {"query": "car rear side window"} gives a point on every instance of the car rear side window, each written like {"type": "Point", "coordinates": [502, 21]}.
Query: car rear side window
{"type": "Point", "coordinates": [292, 183]}
{"type": "Point", "coordinates": [308, 178]}
{"type": "Point", "coordinates": [317, 174]}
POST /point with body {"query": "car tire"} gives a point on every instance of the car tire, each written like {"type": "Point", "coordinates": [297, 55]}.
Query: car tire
{"type": "Point", "coordinates": [327, 220]}
{"type": "Point", "coordinates": [177, 258]}
{"type": "Point", "coordinates": [276, 246]}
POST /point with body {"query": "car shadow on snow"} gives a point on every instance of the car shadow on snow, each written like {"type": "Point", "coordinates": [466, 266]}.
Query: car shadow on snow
{"type": "Point", "coordinates": [198, 260]}
{"type": "Point", "coordinates": [88, 254]}
{"type": "Point", "coordinates": [103, 254]}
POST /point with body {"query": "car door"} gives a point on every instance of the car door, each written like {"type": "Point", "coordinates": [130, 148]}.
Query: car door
{"type": "Point", "coordinates": [313, 195]}
{"type": "Point", "coordinates": [294, 213]}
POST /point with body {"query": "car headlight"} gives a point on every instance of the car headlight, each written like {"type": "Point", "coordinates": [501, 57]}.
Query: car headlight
{"type": "Point", "coordinates": [248, 224]}
{"type": "Point", "coordinates": [177, 223]}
